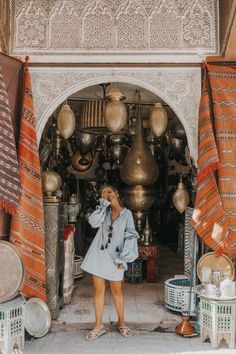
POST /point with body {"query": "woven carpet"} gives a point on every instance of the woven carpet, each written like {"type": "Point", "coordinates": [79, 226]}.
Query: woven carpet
{"type": "Point", "coordinates": [214, 216]}
{"type": "Point", "coordinates": [10, 189]}
{"type": "Point", "coordinates": [27, 227]}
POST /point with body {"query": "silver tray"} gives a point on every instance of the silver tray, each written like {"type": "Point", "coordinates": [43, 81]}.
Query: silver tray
{"type": "Point", "coordinates": [37, 317]}
{"type": "Point", "coordinates": [201, 292]}
{"type": "Point", "coordinates": [12, 271]}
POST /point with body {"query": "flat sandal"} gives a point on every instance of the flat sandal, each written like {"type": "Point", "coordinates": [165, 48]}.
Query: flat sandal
{"type": "Point", "coordinates": [95, 334]}
{"type": "Point", "coordinates": [125, 331]}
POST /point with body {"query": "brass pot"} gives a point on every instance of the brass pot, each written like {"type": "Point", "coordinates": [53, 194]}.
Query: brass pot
{"type": "Point", "coordinates": [158, 119]}
{"type": "Point", "coordinates": [139, 198]}
{"type": "Point", "coordinates": [82, 163]}
{"type": "Point", "coordinates": [66, 121]}
{"type": "Point", "coordinates": [51, 182]}
{"type": "Point", "coordinates": [115, 114]}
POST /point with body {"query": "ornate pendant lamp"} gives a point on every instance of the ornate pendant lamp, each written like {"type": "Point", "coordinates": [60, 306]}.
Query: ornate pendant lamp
{"type": "Point", "coordinates": [181, 197]}
{"type": "Point", "coordinates": [158, 119]}
{"type": "Point", "coordinates": [139, 167]}
{"type": "Point", "coordinates": [66, 121]}
{"type": "Point", "coordinates": [115, 114]}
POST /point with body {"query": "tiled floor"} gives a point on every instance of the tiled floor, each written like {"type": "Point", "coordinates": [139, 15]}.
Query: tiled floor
{"type": "Point", "coordinates": [153, 325]}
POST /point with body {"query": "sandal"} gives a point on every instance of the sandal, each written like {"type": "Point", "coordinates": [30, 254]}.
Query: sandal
{"type": "Point", "coordinates": [125, 331]}
{"type": "Point", "coordinates": [95, 334]}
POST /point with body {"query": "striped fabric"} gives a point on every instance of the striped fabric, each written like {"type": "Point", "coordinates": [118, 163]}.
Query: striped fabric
{"type": "Point", "coordinates": [10, 189]}
{"type": "Point", "coordinates": [214, 216]}
{"type": "Point", "coordinates": [27, 227]}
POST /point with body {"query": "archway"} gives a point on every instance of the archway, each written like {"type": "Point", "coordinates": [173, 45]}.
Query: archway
{"type": "Point", "coordinates": [62, 98]}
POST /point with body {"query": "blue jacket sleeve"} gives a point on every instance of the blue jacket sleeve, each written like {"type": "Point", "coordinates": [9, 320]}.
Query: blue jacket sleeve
{"type": "Point", "coordinates": [130, 248]}
{"type": "Point", "coordinates": [98, 216]}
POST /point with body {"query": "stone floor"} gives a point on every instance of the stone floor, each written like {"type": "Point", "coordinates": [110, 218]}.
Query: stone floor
{"type": "Point", "coordinates": [153, 325]}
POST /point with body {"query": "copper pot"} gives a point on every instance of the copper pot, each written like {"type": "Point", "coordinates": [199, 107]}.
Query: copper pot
{"type": "Point", "coordinates": [81, 162]}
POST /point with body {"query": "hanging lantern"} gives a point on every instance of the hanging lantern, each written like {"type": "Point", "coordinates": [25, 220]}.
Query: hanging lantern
{"type": "Point", "coordinates": [158, 119]}
{"type": "Point", "coordinates": [66, 121]}
{"type": "Point", "coordinates": [139, 166]}
{"type": "Point", "coordinates": [115, 114]}
{"type": "Point", "coordinates": [181, 197]}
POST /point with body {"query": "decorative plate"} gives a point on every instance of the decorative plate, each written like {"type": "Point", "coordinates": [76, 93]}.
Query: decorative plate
{"type": "Point", "coordinates": [221, 263]}
{"type": "Point", "coordinates": [37, 317]}
{"type": "Point", "coordinates": [12, 271]}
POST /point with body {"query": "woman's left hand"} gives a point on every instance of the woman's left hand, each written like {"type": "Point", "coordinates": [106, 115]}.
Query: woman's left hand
{"type": "Point", "coordinates": [119, 265]}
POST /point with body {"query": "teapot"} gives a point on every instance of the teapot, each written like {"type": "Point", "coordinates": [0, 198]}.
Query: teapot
{"type": "Point", "coordinates": [227, 287]}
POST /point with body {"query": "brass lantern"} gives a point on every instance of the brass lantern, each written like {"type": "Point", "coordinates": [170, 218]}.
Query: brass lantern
{"type": "Point", "coordinates": [115, 113]}
{"type": "Point", "coordinates": [158, 119]}
{"type": "Point", "coordinates": [139, 166]}
{"type": "Point", "coordinates": [66, 121]}
{"type": "Point", "coordinates": [181, 197]}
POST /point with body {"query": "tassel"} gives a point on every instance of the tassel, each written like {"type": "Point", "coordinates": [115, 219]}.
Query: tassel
{"type": "Point", "coordinates": [102, 248]}
{"type": "Point", "coordinates": [106, 245]}
{"type": "Point", "coordinates": [109, 240]}
{"type": "Point", "coordinates": [117, 249]}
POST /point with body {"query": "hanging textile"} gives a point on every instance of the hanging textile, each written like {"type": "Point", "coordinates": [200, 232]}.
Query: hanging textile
{"type": "Point", "coordinates": [214, 217]}
{"type": "Point", "coordinates": [27, 227]}
{"type": "Point", "coordinates": [10, 189]}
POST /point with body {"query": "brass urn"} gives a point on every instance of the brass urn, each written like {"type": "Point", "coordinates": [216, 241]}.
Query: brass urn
{"type": "Point", "coordinates": [51, 182]}
{"type": "Point", "coordinates": [139, 166]}
{"type": "Point", "coordinates": [181, 197]}
{"type": "Point", "coordinates": [66, 121]}
{"type": "Point", "coordinates": [115, 114]}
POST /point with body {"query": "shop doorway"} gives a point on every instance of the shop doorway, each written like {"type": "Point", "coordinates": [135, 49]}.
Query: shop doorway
{"type": "Point", "coordinates": [93, 156]}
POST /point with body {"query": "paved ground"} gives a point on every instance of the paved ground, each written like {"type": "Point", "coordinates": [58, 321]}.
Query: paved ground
{"type": "Point", "coordinates": [153, 325]}
{"type": "Point", "coordinates": [143, 342]}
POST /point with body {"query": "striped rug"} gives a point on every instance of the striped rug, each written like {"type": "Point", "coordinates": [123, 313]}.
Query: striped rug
{"type": "Point", "coordinates": [214, 216]}
{"type": "Point", "coordinates": [10, 189]}
{"type": "Point", "coordinates": [27, 227]}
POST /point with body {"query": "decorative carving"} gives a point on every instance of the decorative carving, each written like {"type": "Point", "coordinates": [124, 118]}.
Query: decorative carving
{"type": "Point", "coordinates": [97, 26]}
{"type": "Point", "coordinates": [178, 87]}
{"type": "Point", "coordinates": [131, 26]}
{"type": "Point", "coordinates": [64, 21]}
{"type": "Point", "coordinates": [31, 27]}
{"type": "Point", "coordinates": [197, 19]}
{"type": "Point", "coordinates": [167, 33]}
{"type": "Point", "coordinates": [114, 27]}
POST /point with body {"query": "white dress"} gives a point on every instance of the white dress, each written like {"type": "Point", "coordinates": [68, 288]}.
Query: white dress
{"type": "Point", "coordinates": [123, 246]}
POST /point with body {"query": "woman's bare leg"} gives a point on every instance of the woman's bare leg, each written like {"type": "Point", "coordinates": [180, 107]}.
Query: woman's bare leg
{"type": "Point", "coordinates": [117, 293]}
{"type": "Point", "coordinates": [99, 293]}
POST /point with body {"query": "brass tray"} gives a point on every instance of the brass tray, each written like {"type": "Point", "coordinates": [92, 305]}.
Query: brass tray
{"type": "Point", "coordinates": [221, 263]}
{"type": "Point", "coordinates": [11, 271]}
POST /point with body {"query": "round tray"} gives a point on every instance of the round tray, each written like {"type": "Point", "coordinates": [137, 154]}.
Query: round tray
{"type": "Point", "coordinates": [221, 263]}
{"type": "Point", "coordinates": [37, 317]}
{"type": "Point", "coordinates": [12, 271]}
{"type": "Point", "coordinates": [201, 292]}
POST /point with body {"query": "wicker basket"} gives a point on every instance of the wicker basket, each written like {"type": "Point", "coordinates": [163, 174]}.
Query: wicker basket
{"type": "Point", "coordinates": [177, 295]}
{"type": "Point", "coordinates": [78, 272]}
{"type": "Point", "coordinates": [12, 327]}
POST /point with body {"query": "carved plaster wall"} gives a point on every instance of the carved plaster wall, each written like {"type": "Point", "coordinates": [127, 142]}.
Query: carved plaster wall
{"type": "Point", "coordinates": [119, 28]}
{"type": "Point", "coordinates": [178, 87]}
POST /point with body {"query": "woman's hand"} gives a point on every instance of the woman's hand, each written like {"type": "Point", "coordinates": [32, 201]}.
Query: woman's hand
{"type": "Point", "coordinates": [119, 265]}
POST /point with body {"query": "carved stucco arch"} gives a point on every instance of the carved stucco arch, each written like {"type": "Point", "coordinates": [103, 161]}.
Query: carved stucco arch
{"type": "Point", "coordinates": [52, 88]}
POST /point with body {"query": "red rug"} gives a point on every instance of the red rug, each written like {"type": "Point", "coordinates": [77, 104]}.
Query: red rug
{"type": "Point", "coordinates": [214, 215]}
{"type": "Point", "coordinates": [27, 227]}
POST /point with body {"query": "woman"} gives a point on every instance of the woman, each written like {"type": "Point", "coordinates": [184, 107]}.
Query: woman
{"type": "Point", "coordinates": [114, 245]}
